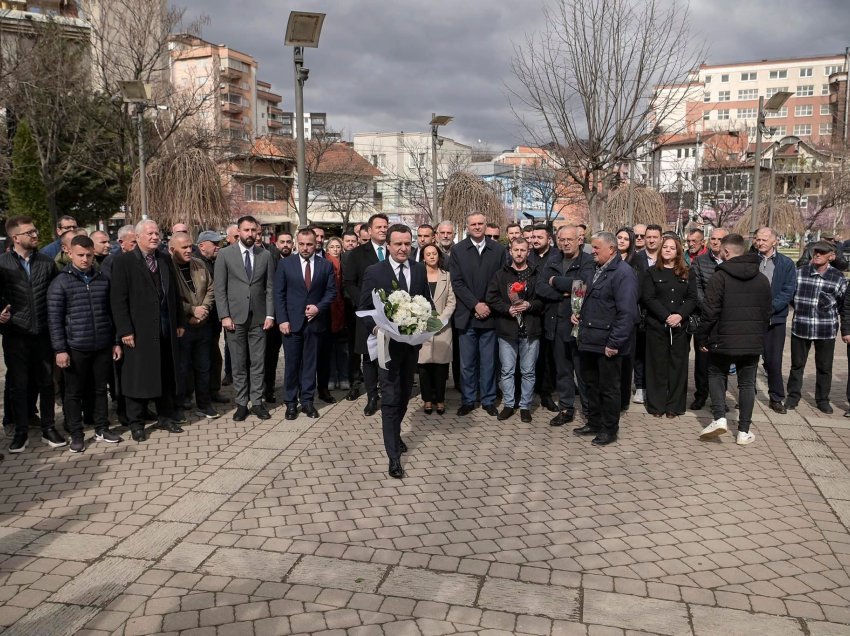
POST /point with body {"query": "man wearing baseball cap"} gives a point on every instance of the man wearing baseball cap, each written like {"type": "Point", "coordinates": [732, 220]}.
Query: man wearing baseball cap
{"type": "Point", "coordinates": [209, 242]}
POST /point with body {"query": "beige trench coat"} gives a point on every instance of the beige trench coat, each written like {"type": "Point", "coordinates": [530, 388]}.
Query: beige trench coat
{"type": "Point", "coordinates": [438, 350]}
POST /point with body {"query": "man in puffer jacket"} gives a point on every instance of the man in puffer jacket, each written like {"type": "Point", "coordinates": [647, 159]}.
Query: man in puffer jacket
{"type": "Point", "coordinates": [83, 337]}
{"type": "Point", "coordinates": [735, 318]}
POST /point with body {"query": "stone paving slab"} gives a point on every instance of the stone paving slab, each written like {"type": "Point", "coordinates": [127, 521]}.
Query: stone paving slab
{"type": "Point", "coordinates": [101, 582]}
{"type": "Point", "coordinates": [711, 621]}
{"type": "Point", "coordinates": [336, 573]}
{"type": "Point", "coordinates": [69, 545]}
{"type": "Point", "coordinates": [194, 507]}
{"type": "Point", "coordinates": [153, 540]}
{"type": "Point", "coordinates": [431, 586]}
{"type": "Point", "coordinates": [528, 598]}
{"type": "Point", "coordinates": [12, 540]}
{"type": "Point", "coordinates": [186, 557]}
{"type": "Point", "coordinates": [54, 619]}
{"type": "Point", "coordinates": [249, 564]}
{"type": "Point", "coordinates": [636, 613]}
{"type": "Point", "coordinates": [226, 481]}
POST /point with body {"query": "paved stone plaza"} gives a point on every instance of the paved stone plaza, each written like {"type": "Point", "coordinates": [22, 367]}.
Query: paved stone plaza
{"type": "Point", "coordinates": [499, 528]}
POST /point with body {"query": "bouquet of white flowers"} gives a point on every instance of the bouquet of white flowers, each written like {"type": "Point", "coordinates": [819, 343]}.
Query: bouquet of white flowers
{"type": "Point", "coordinates": [400, 317]}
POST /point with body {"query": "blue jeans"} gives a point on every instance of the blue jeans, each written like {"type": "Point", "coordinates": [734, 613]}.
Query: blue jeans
{"type": "Point", "coordinates": [477, 365]}
{"type": "Point", "coordinates": [527, 351]}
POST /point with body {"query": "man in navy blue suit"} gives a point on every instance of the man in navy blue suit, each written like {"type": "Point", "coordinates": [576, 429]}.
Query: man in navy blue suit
{"type": "Point", "coordinates": [303, 291]}
{"type": "Point", "coordinates": [397, 379]}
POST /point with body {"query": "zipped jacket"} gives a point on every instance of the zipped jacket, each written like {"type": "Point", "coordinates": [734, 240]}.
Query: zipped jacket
{"type": "Point", "coordinates": [78, 312]}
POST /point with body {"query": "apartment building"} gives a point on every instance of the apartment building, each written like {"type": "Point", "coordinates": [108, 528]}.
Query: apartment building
{"type": "Point", "coordinates": [315, 125]}
{"type": "Point", "coordinates": [246, 107]}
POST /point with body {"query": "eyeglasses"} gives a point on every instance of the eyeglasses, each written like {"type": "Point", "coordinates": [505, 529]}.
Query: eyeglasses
{"type": "Point", "coordinates": [65, 228]}
{"type": "Point", "coordinates": [32, 232]}
{"type": "Point", "coordinates": [639, 235]}
{"type": "Point", "coordinates": [823, 252]}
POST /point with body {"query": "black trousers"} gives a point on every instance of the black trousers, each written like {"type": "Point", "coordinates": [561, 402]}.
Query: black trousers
{"type": "Point", "coordinates": [29, 362]}
{"type": "Point", "coordinates": [194, 365]}
{"type": "Point", "coordinates": [700, 373]}
{"type": "Point", "coordinates": [89, 371]}
{"type": "Point", "coordinates": [396, 388]}
{"type": "Point", "coordinates": [774, 347]}
{"type": "Point", "coordinates": [432, 382]}
{"type": "Point", "coordinates": [371, 376]}
{"type": "Point", "coordinates": [640, 359]}
{"type": "Point", "coordinates": [601, 376]}
{"type": "Point", "coordinates": [824, 352]}
{"type": "Point", "coordinates": [666, 369]}
{"type": "Point", "coordinates": [323, 364]}
{"type": "Point", "coordinates": [627, 367]}
{"type": "Point", "coordinates": [568, 373]}
{"type": "Point", "coordinates": [216, 359]}
{"type": "Point", "coordinates": [136, 407]}
{"type": "Point", "coordinates": [544, 370]}
{"type": "Point", "coordinates": [274, 339]}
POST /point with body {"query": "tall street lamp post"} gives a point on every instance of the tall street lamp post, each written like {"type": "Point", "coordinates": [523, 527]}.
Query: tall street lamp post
{"type": "Point", "coordinates": [436, 122]}
{"type": "Point", "coordinates": [302, 30]}
{"type": "Point", "coordinates": [772, 105]}
{"type": "Point", "coordinates": [138, 93]}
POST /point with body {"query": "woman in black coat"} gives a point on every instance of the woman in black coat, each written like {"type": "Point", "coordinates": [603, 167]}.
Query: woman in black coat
{"type": "Point", "coordinates": [626, 250]}
{"type": "Point", "coordinates": [669, 293]}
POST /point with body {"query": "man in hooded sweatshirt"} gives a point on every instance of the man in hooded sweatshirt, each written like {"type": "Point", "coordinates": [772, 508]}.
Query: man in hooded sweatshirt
{"type": "Point", "coordinates": [735, 318]}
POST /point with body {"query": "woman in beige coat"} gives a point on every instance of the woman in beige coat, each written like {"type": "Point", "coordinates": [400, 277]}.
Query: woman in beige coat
{"type": "Point", "coordinates": [436, 354]}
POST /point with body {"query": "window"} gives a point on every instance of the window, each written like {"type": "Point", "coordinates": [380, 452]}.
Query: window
{"type": "Point", "coordinates": [749, 77]}
{"type": "Point", "coordinates": [825, 129]}
{"type": "Point", "coordinates": [824, 109]}
{"type": "Point", "coordinates": [781, 74]}
{"type": "Point", "coordinates": [416, 159]}
{"type": "Point", "coordinates": [806, 72]}
{"type": "Point", "coordinates": [782, 112]}
{"type": "Point", "coordinates": [706, 115]}
{"type": "Point", "coordinates": [723, 114]}
{"type": "Point", "coordinates": [805, 90]}
{"type": "Point", "coordinates": [379, 161]}
{"type": "Point", "coordinates": [724, 77]}
{"type": "Point", "coordinates": [678, 153]}
{"type": "Point", "coordinates": [706, 97]}
{"type": "Point", "coordinates": [748, 93]}
{"type": "Point", "coordinates": [270, 193]}
{"type": "Point", "coordinates": [259, 193]}
{"type": "Point", "coordinates": [802, 129]}
{"type": "Point", "coordinates": [723, 96]}
{"type": "Point", "coordinates": [751, 132]}
{"type": "Point", "coordinates": [708, 79]}
{"type": "Point", "coordinates": [803, 110]}
{"type": "Point", "coordinates": [779, 130]}
{"type": "Point", "coordinates": [747, 113]}
{"type": "Point", "coordinates": [249, 192]}
{"type": "Point", "coordinates": [824, 89]}
{"type": "Point", "coordinates": [772, 91]}
{"type": "Point", "coordinates": [835, 68]}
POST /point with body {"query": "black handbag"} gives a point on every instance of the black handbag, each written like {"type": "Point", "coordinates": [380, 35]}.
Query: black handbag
{"type": "Point", "coordinates": [693, 324]}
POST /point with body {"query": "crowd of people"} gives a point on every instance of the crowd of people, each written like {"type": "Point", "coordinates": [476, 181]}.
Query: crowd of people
{"type": "Point", "coordinates": [585, 326]}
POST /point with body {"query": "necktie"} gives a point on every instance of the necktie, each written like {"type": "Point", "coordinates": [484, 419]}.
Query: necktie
{"type": "Point", "coordinates": [402, 281]}
{"type": "Point", "coordinates": [151, 262]}
{"type": "Point", "coordinates": [308, 276]}
{"type": "Point", "coordinates": [380, 253]}
{"type": "Point", "coordinates": [248, 269]}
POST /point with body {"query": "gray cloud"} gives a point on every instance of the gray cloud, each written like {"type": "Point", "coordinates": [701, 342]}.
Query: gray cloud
{"type": "Point", "coordinates": [387, 65]}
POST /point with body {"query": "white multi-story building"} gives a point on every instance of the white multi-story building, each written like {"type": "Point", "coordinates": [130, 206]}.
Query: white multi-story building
{"type": "Point", "coordinates": [315, 125]}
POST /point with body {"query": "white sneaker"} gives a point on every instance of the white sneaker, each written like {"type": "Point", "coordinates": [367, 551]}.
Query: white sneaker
{"type": "Point", "coordinates": [744, 438]}
{"type": "Point", "coordinates": [640, 396]}
{"type": "Point", "coordinates": [715, 429]}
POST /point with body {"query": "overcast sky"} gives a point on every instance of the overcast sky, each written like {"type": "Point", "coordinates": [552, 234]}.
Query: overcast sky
{"type": "Point", "coordinates": [386, 65]}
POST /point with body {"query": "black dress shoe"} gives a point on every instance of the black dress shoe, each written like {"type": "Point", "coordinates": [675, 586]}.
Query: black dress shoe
{"type": "Point", "coordinates": [270, 398]}
{"type": "Point", "coordinates": [549, 404]}
{"type": "Point", "coordinates": [825, 407]}
{"type": "Point", "coordinates": [396, 471]}
{"type": "Point", "coordinates": [138, 435]}
{"type": "Point", "coordinates": [506, 413]}
{"type": "Point", "coordinates": [260, 411]}
{"type": "Point", "coordinates": [466, 409]}
{"type": "Point", "coordinates": [697, 404]}
{"type": "Point", "coordinates": [219, 398]}
{"type": "Point", "coordinates": [353, 394]}
{"type": "Point", "coordinates": [525, 415]}
{"type": "Point", "coordinates": [564, 417]}
{"type": "Point", "coordinates": [402, 446]}
{"type": "Point", "coordinates": [428, 409]}
{"type": "Point", "coordinates": [291, 412]}
{"type": "Point", "coordinates": [241, 413]}
{"type": "Point", "coordinates": [603, 439]}
{"type": "Point", "coordinates": [170, 425]}
{"type": "Point", "coordinates": [441, 411]}
{"type": "Point", "coordinates": [371, 407]}
{"type": "Point", "coordinates": [491, 409]}
{"type": "Point", "coordinates": [847, 413]}
{"type": "Point", "coordinates": [326, 397]}
{"type": "Point", "coordinates": [789, 405]}
{"type": "Point", "coordinates": [585, 430]}
{"type": "Point", "coordinates": [779, 407]}
{"type": "Point", "coordinates": [309, 410]}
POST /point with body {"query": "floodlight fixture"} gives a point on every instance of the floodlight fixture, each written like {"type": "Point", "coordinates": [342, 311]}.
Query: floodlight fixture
{"type": "Point", "coordinates": [436, 122]}
{"type": "Point", "coordinates": [304, 29]}
{"type": "Point", "coordinates": [135, 91]}
{"type": "Point", "coordinates": [440, 120]}
{"type": "Point", "coordinates": [777, 101]}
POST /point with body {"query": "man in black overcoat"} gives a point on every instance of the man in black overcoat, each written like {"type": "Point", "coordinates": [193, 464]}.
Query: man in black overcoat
{"type": "Point", "coordinates": [148, 319]}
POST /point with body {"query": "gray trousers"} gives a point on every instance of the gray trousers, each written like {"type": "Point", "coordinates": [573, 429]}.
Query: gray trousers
{"type": "Point", "coordinates": [247, 347]}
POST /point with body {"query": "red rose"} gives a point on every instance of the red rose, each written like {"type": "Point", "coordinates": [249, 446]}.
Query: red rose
{"type": "Point", "coordinates": [517, 288]}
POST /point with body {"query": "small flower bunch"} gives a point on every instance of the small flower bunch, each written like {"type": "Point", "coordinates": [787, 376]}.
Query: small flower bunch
{"type": "Point", "coordinates": [579, 291]}
{"type": "Point", "coordinates": [516, 291]}
{"type": "Point", "coordinates": [411, 314]}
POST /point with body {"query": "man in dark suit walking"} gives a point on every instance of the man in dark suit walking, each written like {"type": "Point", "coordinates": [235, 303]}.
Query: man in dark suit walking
{"type": "Point", "coordinates": [244, 278]}
{"type": "Point", "coordinates": [303, 291]}
{"type": "Point", "coordinates": [397, 379]}
{"type": "Point", "coordinates": [474, 263]}
{"type": "Point", "coordinates": [356, 263]}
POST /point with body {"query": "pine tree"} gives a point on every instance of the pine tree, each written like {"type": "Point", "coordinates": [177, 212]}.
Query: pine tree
{"type": "Point", "coordinates": [27, 196]}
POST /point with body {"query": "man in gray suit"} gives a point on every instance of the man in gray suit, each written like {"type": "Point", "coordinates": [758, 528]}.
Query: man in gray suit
{"type": "Point", "coordinates": [244, 279]}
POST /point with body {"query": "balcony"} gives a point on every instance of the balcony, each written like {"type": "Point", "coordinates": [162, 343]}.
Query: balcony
{"type": "Point", "coordinates": [231, 107]}
{"type": "Point", "coordinates": [273, 123]}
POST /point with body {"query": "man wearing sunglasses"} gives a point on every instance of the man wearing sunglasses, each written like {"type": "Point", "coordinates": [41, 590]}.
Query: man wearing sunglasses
{"type": "Point", "coordinates": [640, 237]}
{"type": "Point", "coordinates": [25, 275]}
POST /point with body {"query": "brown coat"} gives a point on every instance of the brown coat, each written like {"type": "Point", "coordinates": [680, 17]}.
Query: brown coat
{"type": "Point", "coordinates": [438, 350]}
{"type": "Point", "coordinates": [203, 296]}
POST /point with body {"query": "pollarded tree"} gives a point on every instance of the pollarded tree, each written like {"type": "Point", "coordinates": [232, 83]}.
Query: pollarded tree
{"type": "Point", "coordinates": [587, 84]}
{"type": "Point", "coordinates": [27, 196]}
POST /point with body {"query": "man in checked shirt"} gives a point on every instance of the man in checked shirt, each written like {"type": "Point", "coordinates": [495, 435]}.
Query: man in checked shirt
{"type": "Point", "coordinates": [817, 303]}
